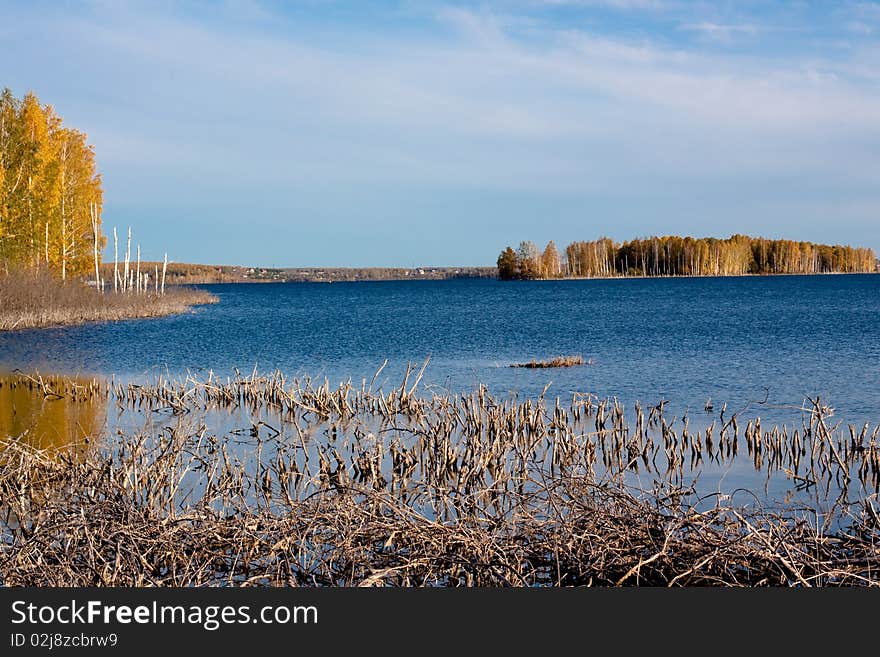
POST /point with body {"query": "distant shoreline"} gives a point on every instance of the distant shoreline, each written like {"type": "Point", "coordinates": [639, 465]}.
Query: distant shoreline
{"type": "Point", "coordinates": [438, 274]}
{"type": "Point", "coordinates": [192, 273]}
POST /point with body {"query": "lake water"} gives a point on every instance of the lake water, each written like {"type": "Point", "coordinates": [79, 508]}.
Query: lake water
{"type": "Point", "coordinates": [763, 344]}
{"type": "Point", "coordinates": [684, 340]}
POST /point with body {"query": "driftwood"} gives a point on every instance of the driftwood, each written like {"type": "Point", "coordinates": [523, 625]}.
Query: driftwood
{"type": "Point", "coordinates": [559, 361]}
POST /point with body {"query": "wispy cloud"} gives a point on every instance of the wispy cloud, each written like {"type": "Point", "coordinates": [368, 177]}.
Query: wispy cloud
{"type": "Point", "coordinates": [487, 85]}
{"type": "Point", "coordinates": [247, 10]}
{"type": "Point", "coordinates": [721, 31]}
{"type": "Point", "coordinates": [654, 5]}
{"type": "Point", "coordinates": [859, 27]}
{"type": "Point", "coordinates": [312, 130]}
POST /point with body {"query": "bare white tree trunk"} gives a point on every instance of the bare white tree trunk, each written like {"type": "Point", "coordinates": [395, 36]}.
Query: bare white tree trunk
{"type": "Point", "coordinates": [63, 162]}
{"type": "Point", "coordinates": [94, 212]}
{"type": "Point", "coordinates": [115, 261]}
{"type": "Point", "coordinates": [164, 268]}
{"type": "Point", "coordinates": [157, 278]}
{"type": "Point", "coordinates": [126, 281]}
{"type": "Point", "coordinates": [63, 234]}
{"type": "Point", "coordinates": [139, 269]}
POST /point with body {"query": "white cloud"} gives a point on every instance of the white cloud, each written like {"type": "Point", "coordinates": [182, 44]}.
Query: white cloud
{"type": "Point", "coordinates": [720, 31]}
{"type": "Point", "coordinates": [489, 84]}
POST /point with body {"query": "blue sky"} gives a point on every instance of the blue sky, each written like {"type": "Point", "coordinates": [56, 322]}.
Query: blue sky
{"type": "Point", "coordinates": [321, 133]}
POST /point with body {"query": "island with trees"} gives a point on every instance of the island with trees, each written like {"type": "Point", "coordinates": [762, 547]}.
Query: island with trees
{"type": "Point", "coordinates": [738, 255]}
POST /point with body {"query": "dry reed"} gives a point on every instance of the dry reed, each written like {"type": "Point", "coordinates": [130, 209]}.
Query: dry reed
{"type": "Point", "coordinates": [559, 361]}
{"type": "Point", "coordinates": [36, 300]}
{"type": "Point", "coordinates": [359, 486]}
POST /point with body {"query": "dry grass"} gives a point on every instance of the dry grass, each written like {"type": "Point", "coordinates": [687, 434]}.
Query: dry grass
{"type": "Point", "coordinates": [451, 491]}
{"type": "Point", "coordinates": [37, 300]}
{"type": "Point", "coordinates": [559, 361]}
{"type": "Point", "coordinates": [114, 522]}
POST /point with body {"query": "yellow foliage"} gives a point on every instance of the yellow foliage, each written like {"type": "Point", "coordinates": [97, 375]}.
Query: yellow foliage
{"type": "Point", "coordinates": [688, 256]}
{"type": "Point", "coordinates": [48, 180]}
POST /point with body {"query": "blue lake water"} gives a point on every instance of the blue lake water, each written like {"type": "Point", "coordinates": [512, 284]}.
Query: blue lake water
{"type": "Point", "coordinates": [684, 340]}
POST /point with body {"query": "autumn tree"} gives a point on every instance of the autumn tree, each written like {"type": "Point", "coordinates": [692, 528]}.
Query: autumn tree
{"type": "Point", "coordinates": [551, 265]}
{"type": "Point", "coordinates": [50, 190]}
{"type": "Point", "coordinates": [508, 266]}
{"type": "Point", "coordinates": [528, 260]}
{"type": "Point", "coordinates": [672, 255]}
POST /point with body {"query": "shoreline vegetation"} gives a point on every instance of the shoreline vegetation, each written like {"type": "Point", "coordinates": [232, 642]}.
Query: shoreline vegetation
{"type": "Point", "coordinates": [467, 490]}
{"type": "Point", "coordinates": [35, 299]}
{"type": "Point", "coordinates": [51, 238]}
{"type": "Point", "coordinates": [673, 256]}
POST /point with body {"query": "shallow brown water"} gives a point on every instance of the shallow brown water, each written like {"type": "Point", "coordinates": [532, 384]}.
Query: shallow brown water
{"type": "Point", "coordinates": [49, 421]}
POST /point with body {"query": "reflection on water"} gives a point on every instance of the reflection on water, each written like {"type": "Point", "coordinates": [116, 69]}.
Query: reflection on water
{"type": "Point", "coordinates": [51, 413]}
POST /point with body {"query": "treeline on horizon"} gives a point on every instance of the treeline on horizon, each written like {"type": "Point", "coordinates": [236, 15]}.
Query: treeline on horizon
{"type": "Point", "coordinates": [681, 256]}
{"type": "Point", "coordinates": [50, 191]}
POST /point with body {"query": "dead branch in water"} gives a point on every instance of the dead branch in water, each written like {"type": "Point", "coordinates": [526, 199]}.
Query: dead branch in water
{"type": "Point", "coordinates": [120, 522]}
{"type": "Point", "coordinates": [463, 490]}
{"type": "Point", "coordinates": [559, 361]}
